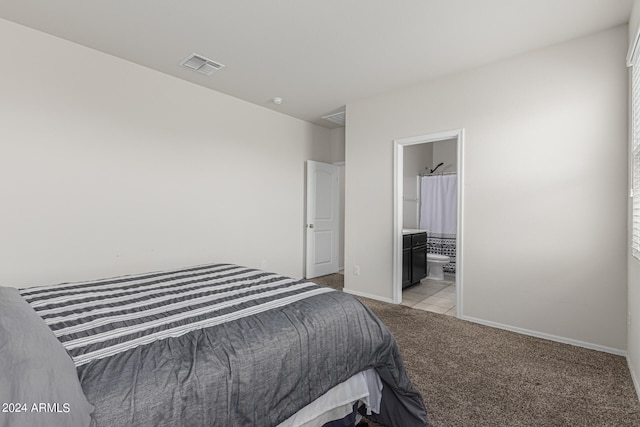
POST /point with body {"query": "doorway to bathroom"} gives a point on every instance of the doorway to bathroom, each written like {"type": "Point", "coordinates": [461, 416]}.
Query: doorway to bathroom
{"type": "Point", "coordinates": [428, 199]}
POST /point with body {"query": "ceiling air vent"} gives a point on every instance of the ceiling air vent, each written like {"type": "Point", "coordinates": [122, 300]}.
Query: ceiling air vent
{"type": "Point", "coordinates": [201, 64]}
{"type": "Point", "coordinates": [337, 118]}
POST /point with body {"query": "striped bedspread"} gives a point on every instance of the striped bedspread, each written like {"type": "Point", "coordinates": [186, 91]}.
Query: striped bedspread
{"type": "Point", "coordinates": [101, 318]}
{"type": "Point", "coordinates": [218, 345]}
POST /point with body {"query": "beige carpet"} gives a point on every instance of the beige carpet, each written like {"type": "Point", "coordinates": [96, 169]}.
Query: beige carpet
{"type": "Point", "coordinates": [474, 375]}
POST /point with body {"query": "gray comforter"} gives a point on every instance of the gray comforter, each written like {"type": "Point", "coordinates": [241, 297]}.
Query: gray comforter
{"type": "Point", "coordinates": [219, 345]}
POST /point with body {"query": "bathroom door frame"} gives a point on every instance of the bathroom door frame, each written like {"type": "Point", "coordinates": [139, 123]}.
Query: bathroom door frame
{"type": "Point", "coordinates": [398, 178]}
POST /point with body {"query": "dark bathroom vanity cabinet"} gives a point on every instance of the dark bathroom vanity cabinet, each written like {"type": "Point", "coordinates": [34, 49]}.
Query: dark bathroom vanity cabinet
{"type": "Point", "coordinates": [414, 257]}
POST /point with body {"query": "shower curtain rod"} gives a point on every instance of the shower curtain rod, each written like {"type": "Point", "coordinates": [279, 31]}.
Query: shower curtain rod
{"type": "Point", "coordinates": [437, 173]}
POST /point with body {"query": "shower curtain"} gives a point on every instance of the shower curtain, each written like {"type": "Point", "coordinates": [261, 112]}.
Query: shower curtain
{"type": "Point", "coordinates": [438, 215]}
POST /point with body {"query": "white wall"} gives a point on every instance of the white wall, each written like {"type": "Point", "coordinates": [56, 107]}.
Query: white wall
{"type": "Point", "coordinates": [337, 157]}
{"type": "Point", "coordinates": [633, 279]}
{"type": "Point", "coordinates": [445, 152]}
{"type": "Point", "coordinates": [109, 168]}
{"type": "Point", "coordinates": [416, 158]}
{"type": "Point", "coordinates": [545, 198]}
{"type": "Point", "coordinates": [337, 138]}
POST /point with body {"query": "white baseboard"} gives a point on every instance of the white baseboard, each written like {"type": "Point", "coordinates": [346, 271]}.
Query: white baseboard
{"type": "Point", "coordinates": [549, 337]}
{"type": "Point", "coordinates": [366, 295]}
{"type": "Point", "coordinates": [636, 384]}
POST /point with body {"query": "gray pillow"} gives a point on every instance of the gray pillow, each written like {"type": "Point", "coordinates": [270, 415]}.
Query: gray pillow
{"type": "Point", "coordinates": [39, 384]}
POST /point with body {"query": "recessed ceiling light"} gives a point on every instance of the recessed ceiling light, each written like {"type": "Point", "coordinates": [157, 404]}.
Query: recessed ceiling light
{"type": "Point", "coordinates": [277, 100]}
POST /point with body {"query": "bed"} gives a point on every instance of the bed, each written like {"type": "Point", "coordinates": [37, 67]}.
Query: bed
{"type": "Point", "coordinates": [209, 345]}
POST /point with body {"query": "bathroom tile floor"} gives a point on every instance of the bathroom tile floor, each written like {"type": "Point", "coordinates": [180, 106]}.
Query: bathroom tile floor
{"type": "Point", "coordinates": [438, 296]}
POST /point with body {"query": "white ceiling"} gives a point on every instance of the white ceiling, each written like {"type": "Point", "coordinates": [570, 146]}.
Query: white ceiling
{"type": "Point", "coordinates": [318, 55]}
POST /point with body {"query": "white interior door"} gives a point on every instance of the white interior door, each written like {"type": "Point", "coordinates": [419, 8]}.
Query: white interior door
{"type": "Point", "coordinates": [323, 219]}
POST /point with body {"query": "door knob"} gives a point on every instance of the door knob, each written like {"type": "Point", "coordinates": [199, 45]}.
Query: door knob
{"type": "Point", "coordinates": [310, 225]}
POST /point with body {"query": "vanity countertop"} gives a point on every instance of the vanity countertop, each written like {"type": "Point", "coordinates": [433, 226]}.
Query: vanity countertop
{"type": "Point", "coordinates": [406, 231]}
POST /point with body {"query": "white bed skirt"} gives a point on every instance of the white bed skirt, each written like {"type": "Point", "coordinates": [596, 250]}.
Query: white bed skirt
{"type": "Point", "coordinates": [337, 403]}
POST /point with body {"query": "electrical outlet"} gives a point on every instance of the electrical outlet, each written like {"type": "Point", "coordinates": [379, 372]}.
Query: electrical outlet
{"type": "Point", "coordinates": [263, 264]}
{"type": "Point", "coordinates": [356, 270]}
